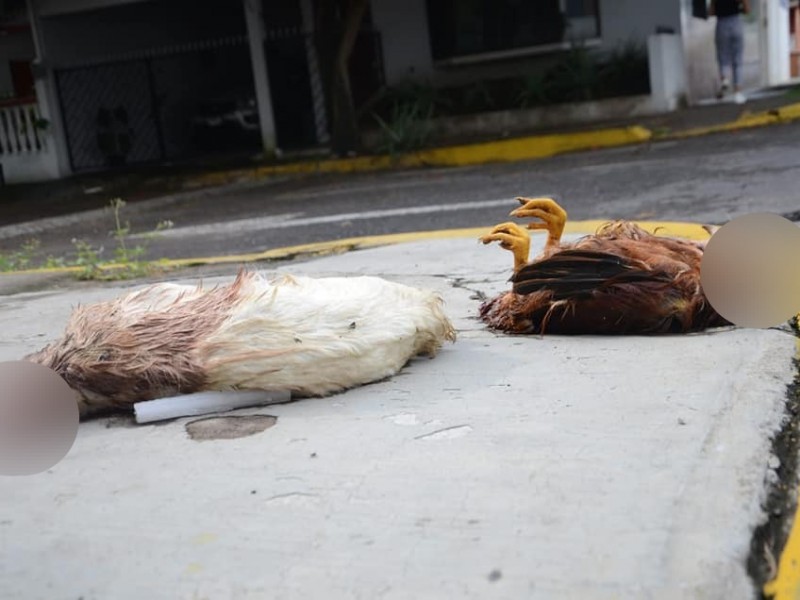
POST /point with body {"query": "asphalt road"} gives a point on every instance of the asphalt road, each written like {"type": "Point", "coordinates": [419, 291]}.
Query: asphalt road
{"type": "Point", "coordinates": [709, 179]}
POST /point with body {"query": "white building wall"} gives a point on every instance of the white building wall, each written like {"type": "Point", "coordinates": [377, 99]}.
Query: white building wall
{"type": "Point", "coordinates": [404, 31]}
{"type": "Point", "coordinates": [623, 20]}
{"type": "Point", "coordinates": [406, 45]}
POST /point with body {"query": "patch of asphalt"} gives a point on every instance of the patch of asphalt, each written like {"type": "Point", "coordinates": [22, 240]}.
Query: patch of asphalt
{"type": "Point", "coordinates": [39, 226]}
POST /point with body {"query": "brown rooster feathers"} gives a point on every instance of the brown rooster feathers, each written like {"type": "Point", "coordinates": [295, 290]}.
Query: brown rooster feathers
{"type": "Point", "coordinates": [621, 280]}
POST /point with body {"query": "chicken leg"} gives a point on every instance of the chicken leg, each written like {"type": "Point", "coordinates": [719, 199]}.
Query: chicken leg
{"type": "Point", "coordinates": [553, 219]}
{"type": "Point", "coordinates": [511, 237]}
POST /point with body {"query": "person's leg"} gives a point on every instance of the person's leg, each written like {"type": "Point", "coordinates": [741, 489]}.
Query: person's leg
{"type": "Point", "coordinates": [722, 41]}
{"type": "Point", "coordinates": [737, 55]}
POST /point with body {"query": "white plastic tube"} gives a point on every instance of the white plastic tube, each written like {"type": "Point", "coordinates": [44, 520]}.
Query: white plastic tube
{"type": "Point", "coordinates": [203, 403]}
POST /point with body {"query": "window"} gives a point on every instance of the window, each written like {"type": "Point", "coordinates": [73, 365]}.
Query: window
{"type": "Point", "coordinates": [462, 28]}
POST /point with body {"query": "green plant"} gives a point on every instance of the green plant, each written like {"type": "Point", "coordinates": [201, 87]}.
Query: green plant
{"type": "Point", "coordinates": [408, 128]}
{"type": "Point", "coordinates": [625, 70]}
{"type": "Point", "coordinates": [88, 258]}
{"type": "Point", "coordinates": [160, 226]}
{"type": "Point", "coordinates": [122, 253]}
{"type": "Point", "coordinates": [574, 77]}
{"type": "Point", "coordinates": [52, 262]}
{"type": "Point", "coordinates": [128, 261]}
{"type": "Point", "coordinates": [533, 90]}
{"type": "Point", "coordinates": [794, 92]}
{"type": "Point", "coordinates": [21, 259]}
{"type": "Point", "coordinates": [477, 97]}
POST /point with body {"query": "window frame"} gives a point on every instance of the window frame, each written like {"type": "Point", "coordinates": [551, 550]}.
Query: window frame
{"type": "Point", "coordinates": [523, 51]}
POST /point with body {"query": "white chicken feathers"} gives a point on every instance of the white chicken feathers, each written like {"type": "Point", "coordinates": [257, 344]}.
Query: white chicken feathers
{"type": "Point", "coordinates": [308, 336]}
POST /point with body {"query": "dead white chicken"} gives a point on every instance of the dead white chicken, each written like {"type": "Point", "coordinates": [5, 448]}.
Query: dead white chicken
{"type": "Point", "coordinates": [307, 336]}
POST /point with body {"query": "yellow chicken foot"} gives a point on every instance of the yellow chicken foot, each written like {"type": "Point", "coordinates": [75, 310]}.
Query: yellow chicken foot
{"type": "Point", "coordinates": [553, 218]}
{"type": "Point", "coordinates": [511, 237]}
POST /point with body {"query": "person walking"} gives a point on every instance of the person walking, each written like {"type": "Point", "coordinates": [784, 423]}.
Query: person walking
{"type": "Point", "coordinates": [729, 39]}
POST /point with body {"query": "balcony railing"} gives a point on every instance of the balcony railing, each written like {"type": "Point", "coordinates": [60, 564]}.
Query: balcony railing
{"type": "Point", "coordinates": [20, 128]}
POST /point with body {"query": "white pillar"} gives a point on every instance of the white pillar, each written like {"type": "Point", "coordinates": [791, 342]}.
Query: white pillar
{"type": "Point", "coordinates": [775, 41]}
{"type": "Point", "coordinates": [667, 70]}
{"type": "Point", "coordinates": [47, 95]}
{"type": "Point", "coordinates": [258, 58]}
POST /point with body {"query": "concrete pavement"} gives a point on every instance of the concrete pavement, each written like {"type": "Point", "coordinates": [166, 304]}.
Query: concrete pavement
{"type": "Point", "coordinates": [504, 468]}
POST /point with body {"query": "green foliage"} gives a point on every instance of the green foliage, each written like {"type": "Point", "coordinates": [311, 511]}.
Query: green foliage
{"type": "Point", "coordinates": [625, 70]}
{"type": "Point", "coordinates": [793, 92]}
{"type": "Point", "coordinates": [409, 123]}
{"type": "Point", "coordinates": [88, 258]}
{"type": "Point", "coordinates": [19, 260]}
{"type": "Point", "coordinates": [581, 75]}
{"type": "Point", "coordinates": [128, 261]}
{"type": "Point", "coordinates": [574, 78]}
{"type": "Point", "coordinates": [534, 90]}
{"type": "Point", "coordinates": [478, 97]}
{"type": "Point", "coordinates": [405, 114]}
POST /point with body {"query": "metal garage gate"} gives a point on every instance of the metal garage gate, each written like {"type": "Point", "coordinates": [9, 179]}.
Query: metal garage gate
{"type": "Point", "coordinates": [171, 104]}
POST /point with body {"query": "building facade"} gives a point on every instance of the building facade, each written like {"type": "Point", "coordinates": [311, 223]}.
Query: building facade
{"type": "Point", "coordinates": [89, 85]}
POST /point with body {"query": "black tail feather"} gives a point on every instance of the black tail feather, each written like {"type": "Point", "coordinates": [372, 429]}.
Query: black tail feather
{"type": "Point", "coordinates": [572, 273]}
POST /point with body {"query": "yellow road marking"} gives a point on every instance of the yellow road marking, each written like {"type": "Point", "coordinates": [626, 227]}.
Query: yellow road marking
{"type": "Point", "coordinates": [692, 231]}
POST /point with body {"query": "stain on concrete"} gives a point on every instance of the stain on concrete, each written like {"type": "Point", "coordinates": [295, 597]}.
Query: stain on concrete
{"type": "Point", "coordinates": [228, 428]}
{"type": "Point", "coordinates": [294, 499]}
{"type": "Point", "coordinates": [448, 433]}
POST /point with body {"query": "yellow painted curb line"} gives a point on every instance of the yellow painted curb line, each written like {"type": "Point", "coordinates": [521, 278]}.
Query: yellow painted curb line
{"type": "Point", "coordinates": [692, 231]}
{"type": "Point", "coordinates": [786, 583]}
{"type": "Point", "coordinates": [785, 114]}
{"type": "Point", "coordinates": [515, 149]}
{"type": "Point", "coordinates": [524, 148]}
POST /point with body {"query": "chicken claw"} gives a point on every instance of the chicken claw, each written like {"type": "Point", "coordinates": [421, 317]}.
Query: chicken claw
{"type": "Point", "coordinates": [553, 218]}
{"type": "Point", "coordinates": [511, 237]}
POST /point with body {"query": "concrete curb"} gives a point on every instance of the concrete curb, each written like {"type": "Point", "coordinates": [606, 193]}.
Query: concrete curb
{"type": "Point", "coordinates": [516, 149]}
{"type": "Point", "coordinates": [671, 228]}
{"type": "Point", "coordinates": [523, 148]}
{"type": "Point", "coordinates": [785, 114]}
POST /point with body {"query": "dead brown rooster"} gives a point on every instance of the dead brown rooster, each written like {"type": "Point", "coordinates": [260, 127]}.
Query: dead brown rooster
{"type": "Point", "coordinates": [621, 280]}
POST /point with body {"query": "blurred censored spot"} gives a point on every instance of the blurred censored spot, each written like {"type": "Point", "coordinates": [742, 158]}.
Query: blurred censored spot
{"type": "Point", "coordinates": [750, 273]}
{"type": "Point", "coordinates": [38, 418]}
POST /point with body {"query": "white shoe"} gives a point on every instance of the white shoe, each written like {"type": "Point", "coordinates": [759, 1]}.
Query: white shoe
{"type": "Point", "coordinates": [739, 98]}
{"type": "Point", "coordinates": [723, 88]}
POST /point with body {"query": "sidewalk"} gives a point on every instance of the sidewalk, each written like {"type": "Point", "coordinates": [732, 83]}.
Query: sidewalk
{"type": "Point", "coordinates": [30, 202]}
{"type": "Point", "coordinates": [503, 468]}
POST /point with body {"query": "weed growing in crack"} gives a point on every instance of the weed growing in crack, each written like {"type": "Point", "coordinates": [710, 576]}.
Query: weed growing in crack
{"type": "Point", "coordinates": [88, 263]}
